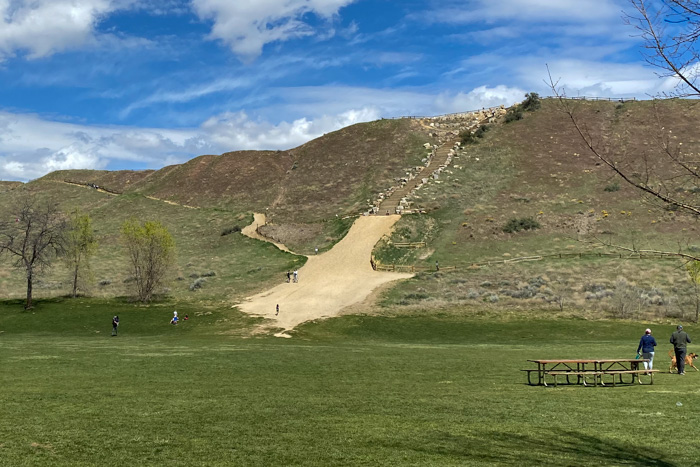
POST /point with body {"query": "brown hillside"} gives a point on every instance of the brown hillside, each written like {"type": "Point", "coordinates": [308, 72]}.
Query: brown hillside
{"type": "Point", "coordinates": [334, 174]}
{"type": "Point", "coordinates": [8, 186]}
{"type": "Point", "coordinates": [117, 181]}
{"type": "Point", "coordinates": [245, 180]}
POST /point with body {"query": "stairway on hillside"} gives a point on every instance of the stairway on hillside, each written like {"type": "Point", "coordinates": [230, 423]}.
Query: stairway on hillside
{"type": "Point", "coordinates": [392, 204]}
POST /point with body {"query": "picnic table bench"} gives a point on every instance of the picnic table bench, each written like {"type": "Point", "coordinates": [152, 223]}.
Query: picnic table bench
{"type": "Point", "coordinates": [583, 369]}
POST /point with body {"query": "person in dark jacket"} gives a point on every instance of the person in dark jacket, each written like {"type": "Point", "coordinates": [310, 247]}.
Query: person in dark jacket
{"type": "Point", "coordinates": [679, 339]}
{"type": "Point", "coordinates": [115, 325]}
{"type": "Point", "coordinates": [646, 347]}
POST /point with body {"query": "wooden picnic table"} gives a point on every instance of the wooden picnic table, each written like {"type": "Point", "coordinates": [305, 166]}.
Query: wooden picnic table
{"type": "Point", "coordinates": [589, 368]}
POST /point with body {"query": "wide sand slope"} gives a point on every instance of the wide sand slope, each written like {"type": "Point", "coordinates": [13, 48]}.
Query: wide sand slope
{"type": "Point", "coordinates": [330, 281]}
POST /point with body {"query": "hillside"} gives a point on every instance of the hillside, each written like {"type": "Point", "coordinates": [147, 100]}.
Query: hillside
{"type": "Point", "coordinates": [335, 174]}
{"type": "Point", "coordinates": [536, 167]}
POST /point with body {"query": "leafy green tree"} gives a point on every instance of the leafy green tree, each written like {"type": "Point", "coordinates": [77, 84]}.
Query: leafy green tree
{"type": "Point", "coordinates": [151, 251]}
{"type": "Point", "coordinates": [80, 246]}
{"type": "Point", "coordinates": [34, 238]}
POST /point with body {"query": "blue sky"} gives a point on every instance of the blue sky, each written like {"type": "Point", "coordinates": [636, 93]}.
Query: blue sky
{"type": "Point", "coordinates": [135, 84]}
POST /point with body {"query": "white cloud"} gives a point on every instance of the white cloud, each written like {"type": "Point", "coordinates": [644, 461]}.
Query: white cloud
{"type": "Point", "coordinates": [247, 25]}
{"type": "Point", "coordinates": [483, 96]}
{"type": "Point", "coordinates": [528, 11]}
{"type": "Point", "coordinates": [591, 78]}
{"type": "Point", "coordinates": [43, 27]}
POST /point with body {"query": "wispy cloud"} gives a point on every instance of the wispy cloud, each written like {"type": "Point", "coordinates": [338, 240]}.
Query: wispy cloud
{"type": "Point", "coordinates": [247, 25]}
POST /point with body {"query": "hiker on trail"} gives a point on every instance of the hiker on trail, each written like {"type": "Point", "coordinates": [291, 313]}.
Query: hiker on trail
{"type": "Point", "coordinates": [296, 275]}
{"type": "Point", "coordinates": [437, 266]}
{"type": "Point", "coordinates": [289, 276]}
{"type": "Point", "coordinates": [278, 310]}
{"type": "Point", "coordinates": [174, 320]}
{"type": "Point", "coordinates": [115, 325]}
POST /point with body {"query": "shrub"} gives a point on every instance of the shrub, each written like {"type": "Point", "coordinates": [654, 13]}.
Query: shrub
{"type": "Point", "coordinates": [197, 284]}
{"type": "Point", "coordinates": [473, 294]}
{"type": "Point", "coordinates": [230, 230]}
{"type": "Point", "coordinates": [513, 114]}
{"type": "Point", "coordinates": [104, 282]}
{"type": "Point", "coordinates": [416, 296]}
{"type": "Point", "coordinates": [525, 223]}
{"type": "Point", "coordinates": [208, 274]}
{"type": "Point", "coordinates": [531, 102]}
{"type": "Point", "coordinates": [471, 137]}
{"type": "Point", "coordinates": [612, 187]}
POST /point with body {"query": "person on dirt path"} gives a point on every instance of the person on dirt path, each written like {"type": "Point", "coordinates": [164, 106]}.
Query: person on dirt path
{"type": "Point", "coordinates": [679, 339]}
{"type": "Point", "coordinates": [278, 310]}
{"type": "Point", "coordinates": [289, 276]}
{"type": "Point", "coordinates": [115, 325]}
{"type": "Point", "coordinates": [296, 275]}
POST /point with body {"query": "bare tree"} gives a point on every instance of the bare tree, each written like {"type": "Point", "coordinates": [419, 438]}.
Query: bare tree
{"type": "Point", "coordinates": [669, 173]}
{"type": "Point", "coordinates": [34, 239]}
{"type": "Point", "coordinates": [670, 30]}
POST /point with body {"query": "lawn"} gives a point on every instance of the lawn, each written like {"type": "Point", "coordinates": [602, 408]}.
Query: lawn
{"type": "Point", "coordinates": [422, 389]}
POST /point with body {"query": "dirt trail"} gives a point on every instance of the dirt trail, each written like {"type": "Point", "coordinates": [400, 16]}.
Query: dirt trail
{"type": "Point", "coordinates": [250, 231]}
{"type": "Point", "coordinates": [328, 282]}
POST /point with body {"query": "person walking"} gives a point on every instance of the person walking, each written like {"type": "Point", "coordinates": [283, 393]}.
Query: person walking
{"type": "Point", "coordinates": [646, 349]}
{"type": "Point", "coordinates": [680, 339]}
{"type": "Point", "coordinates": [277, 312]}
{"type": "Point", "coordinates": [289, 276]}
{"type": "Point", "coordinates": [296, 275]}
{"type": "Point", "coordinates": [115, 325]}
{"type": "Point", "coordinates": [174, 320]}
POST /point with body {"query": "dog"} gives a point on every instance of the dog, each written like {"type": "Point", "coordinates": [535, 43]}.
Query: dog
{"type": "Point", "coordinates": [688, 360]}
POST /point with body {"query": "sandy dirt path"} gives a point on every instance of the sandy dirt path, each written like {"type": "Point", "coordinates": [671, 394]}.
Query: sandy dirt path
{"type": "Point", "coordinates": [250, 231]}
{"type": "Point", "coordinates": [331, 281]}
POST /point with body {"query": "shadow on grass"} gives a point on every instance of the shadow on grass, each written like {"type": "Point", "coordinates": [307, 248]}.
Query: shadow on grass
{"type": "Point", "coordinates": [547, 447]}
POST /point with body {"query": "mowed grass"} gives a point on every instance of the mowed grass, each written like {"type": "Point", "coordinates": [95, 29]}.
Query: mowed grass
{"type": "Point", "coordinates": [427, 389]}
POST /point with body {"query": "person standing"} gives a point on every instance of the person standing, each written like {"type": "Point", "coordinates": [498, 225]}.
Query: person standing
{"type": "Point", "coordinates": [296, 275]}
{"type": "Point", "coordinates": [174, 320]}
{"type": "Point", "coordinates": [277, 311]}
{"type": "Point", "coordinates": [680, 339]}
{"type": "Point", "coordinates": [646, 347]}
{"type": "Point", "coordinates": [115, 325]}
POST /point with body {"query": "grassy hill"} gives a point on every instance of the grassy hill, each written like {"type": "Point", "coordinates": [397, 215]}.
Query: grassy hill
{"type": "Point", "coordinates": [536, 168]}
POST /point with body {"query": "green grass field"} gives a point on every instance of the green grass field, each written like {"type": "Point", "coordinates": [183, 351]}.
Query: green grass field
{"type": "Point", "coordinates": [423, 389]}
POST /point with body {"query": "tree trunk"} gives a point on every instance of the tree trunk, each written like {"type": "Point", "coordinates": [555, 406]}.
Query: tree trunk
{"type": "Point", "coordinates": [75, 281]}
{"type": "Point", "coordinates": [30, 279]}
